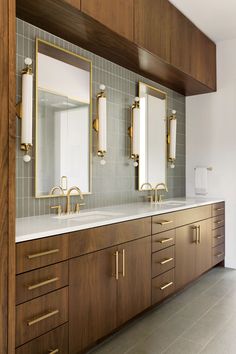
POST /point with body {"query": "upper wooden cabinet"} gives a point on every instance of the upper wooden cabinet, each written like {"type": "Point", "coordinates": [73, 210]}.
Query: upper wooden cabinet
{"type": "Point", "coordinates": [118, 15]}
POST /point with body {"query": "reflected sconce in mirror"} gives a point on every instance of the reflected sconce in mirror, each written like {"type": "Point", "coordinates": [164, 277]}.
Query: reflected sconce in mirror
{"type": "Point", "coordinates": [172, 131]}
{"type": "Point", "coordinates": [100, 124]}
{"type": "Point", "coordinates": [24, 109]}
{"type": "Point", "coordinates": [134, 131]}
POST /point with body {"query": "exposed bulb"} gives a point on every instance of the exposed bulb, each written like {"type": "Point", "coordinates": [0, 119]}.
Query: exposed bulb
{"type": "Point", "coordinates": [28, 61]}
{"type": "Point", "coordinates": [172, 165]}
{"type": "Point", "coordinates": [173, 111]}
{"type": "Point", "coordinates": [26, 158]}
{"type": "Point", "coordinates": [102, 87]}
{"type": "Point", "coordinates": [135, 163]}
{"type": "Point", "coordinates": [103, 162]}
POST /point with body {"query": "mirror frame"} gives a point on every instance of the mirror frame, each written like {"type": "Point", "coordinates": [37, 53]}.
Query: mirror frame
{"type": "Point", "coordinates": [157, 92]}
{"type": "Point", "coordinates": [38, 40]}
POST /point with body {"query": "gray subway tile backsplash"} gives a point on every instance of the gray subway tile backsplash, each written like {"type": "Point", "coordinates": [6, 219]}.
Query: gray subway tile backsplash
{"type": "Point", "coordinates": [115, 182]}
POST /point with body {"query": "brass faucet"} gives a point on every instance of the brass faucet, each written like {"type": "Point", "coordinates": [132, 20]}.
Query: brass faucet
{"type": "Point", "coordinates": [68, 205]}
{"type": "Point", "coordinates": [54, 189]}
{"type": "Point", "coordinates": [150, 197]}
{"type": "Point", "coordinates": [158, 197]}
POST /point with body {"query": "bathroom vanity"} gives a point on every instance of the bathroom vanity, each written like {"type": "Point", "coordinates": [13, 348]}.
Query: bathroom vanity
{"type": "Point", "coordinates": [80, 279]}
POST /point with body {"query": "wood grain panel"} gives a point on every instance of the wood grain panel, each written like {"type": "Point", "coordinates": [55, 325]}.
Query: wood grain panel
{"type": "Point", "coordinates": [163, 240]}
{"type": "Point", "coordinates": [91, 240]}
{"type": "Point", "coordinates": [55, 339]}
{"type": "Point", "coordinates": [193, 215]}
{"type": "Point", "coordinates": [163, 286]}
{"type": "Point", "coordinates": [118, 15]}
{"type": "Point", "coordinates": [218, 236]}
{"type": "Point", "coordinates": [218, 254]}
{"type": "Point", "coordinates": [167, 256]}
{"type": "Point", "coordinates": [75, 3]}
{"type": "Point", "coordinates": [35, 309]}
{"type": "Point", "coordinates": [7, 173]}
{"type": "Point", "coordinates": [204, 247]}
{"type": "Point", "coordinates": [218, 221]}
{"type": "Point", "coordinates": [218, 209]}
{"type": "Point", "coordinates": [164, 222]}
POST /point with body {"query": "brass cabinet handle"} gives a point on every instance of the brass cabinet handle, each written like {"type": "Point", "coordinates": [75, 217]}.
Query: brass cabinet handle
{"type": "Point", "coordinates": [51, 351]}
{"type": "Point", "coordinates": [219, 209]}
{"type": "Point", "coordinates": [166, 285]}
{"type": "Point", "coordinates": [123, 263]}
{"type": "Point", "coordinates": [219, 254]}
{"type": "Point", "coordinates": [43, 317]}
{"type": "Point", "coordinates": [116, 254]}
{"type": "Point", "coordinates": [219, 222]}
{"type": "Point", "coordinates": [46, 282]}
{"type": "Point", "coordinates": [41, 254]}
{"type": "Point", "coordinates": [167, 260]}
{"type": "Point", "coordinates": [199, 233]}
{"type": "Point", "coordinates": [219, 237]}
{"type": "Point", "coordinates": [164, 222]}
{"type": "Point", "coordinates": [195, 228]}
{"type": "Point", "coordinates": [164, 240]}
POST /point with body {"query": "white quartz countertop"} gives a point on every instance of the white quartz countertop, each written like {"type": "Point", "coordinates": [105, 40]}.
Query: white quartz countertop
{"type": "Point", "coordinates": [34, 227]}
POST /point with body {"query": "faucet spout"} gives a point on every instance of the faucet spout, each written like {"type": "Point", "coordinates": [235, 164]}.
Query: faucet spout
{"type": "Point", "coordinates": [159, 186]}
{"type": "Point", "coordinates": [68, 207]}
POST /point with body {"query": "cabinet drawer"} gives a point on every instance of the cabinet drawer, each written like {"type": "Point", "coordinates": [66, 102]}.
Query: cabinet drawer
{"type": "Point", "coordinates": [40, 315]}
{"type": "Point", "coordinates": [218, 254]}
{"type": "Point", "coordinates": [42, 252]}
{"type": "Point", "coordinates": [218, 209]}
{"type": "Point", "coordinates": [163, 222]}
{"type": "Point", "coordinates": [163, 260]}
{"type": "Point", "coordinates": [41, 281]}
{"type": "Point", "coordinates": [163, 240]}
{"type": "Point", "coordinates": [55, 341]}
{"type": "Point", "coordinates": [218, 221]}
{"type": "Point", "coordinates": [162, 286]}
{"type": "Point", "coordinates": [98, 238]}
{"type": "Point", "coordinates": [218, 236]}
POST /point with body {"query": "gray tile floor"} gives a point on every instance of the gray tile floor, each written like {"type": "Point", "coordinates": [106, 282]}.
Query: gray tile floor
{"type": "Point", "coordinates": [201, 319]}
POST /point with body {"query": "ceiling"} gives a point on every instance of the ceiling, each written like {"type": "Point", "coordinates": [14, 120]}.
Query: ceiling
{"type": "Point", "coordinates": [217, 19]}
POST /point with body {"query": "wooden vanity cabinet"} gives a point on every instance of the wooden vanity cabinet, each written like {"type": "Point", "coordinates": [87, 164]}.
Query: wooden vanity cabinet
{"type": "Point", "coordinates": [117, 15]}
{"type": "Point", "coordinates": [74, 3]}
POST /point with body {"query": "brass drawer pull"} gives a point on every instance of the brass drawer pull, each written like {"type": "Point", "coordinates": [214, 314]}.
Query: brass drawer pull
{"type": "Point", "coordinates": [164, 222]}
{"type": "Point", "coordinates": [43, 317]}
{"type": "Point", "coordinates": [219, 237]}
{"type": "Point", "coordinates": [166, 285]}
{"type": "Point", "coordinates": [123, 263]}
{"type": "Point", "coordinates": [53, 351]}
{"type": "Point", "coordinates": [41, 254]}
{"type": "Point", "coordinates": [164, 240]}
{"type": "Point", "coordinates": [219, 209]}
{"type": "Point", "coordinates": [219, 222]}
{"type": "Point", "coordinates": [46, 282]}
{"type": "Point", "coordinates": [167, 260]}
{"type": "Point", "coordinates": [219, 254]}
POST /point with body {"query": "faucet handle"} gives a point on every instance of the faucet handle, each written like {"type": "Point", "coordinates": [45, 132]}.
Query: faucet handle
{"type": "Point", "coordinates": [150, 198]}
{"type": "Point", "coordinates": [58, 208]}
{"type": "Point", "coordinates": [77, 207]}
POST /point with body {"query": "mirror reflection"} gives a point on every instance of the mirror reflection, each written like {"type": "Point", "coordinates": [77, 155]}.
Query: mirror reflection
{"type": "Point", "coordinates": [63, 121]}
{"type": "Point", "coordinates": [152, 155]}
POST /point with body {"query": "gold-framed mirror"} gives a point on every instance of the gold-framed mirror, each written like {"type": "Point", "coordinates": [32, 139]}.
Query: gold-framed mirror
{"type": "Point", "coordinates": [63, 129]}
{"type": "Point", "coordinates": [153, 136]}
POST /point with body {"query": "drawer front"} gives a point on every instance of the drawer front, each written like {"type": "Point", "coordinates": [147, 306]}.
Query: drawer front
{"type": "Point", "coordinates": [55, 341]}
{"type": "Point", "coordinates": [41, 281]}
{"type": "Point", "coordinates": [218, 209]}
{"type": "Point", "coordinates": [40, 315]}
{"type": "Point", "coordinates": [91, 240]}
{"type": "Point", "coordinates": [218, 221]}
{"type": "Point", "coordinates": [42, 252]}
{"type": "Point", "coordinates": [163, 260]}
{"type": "Point", "coordinates": [189, 216]}
{"type": "Point", "coordinates": [218, 236]}
{"type": "Point", "coordinates": [163, 286]}
{"type": "Point", "coordinates": [218, 254]}
{"type": "Point", "coordinates": [163, 222]}
{"type": "Point", "coordinates": [163, 240]}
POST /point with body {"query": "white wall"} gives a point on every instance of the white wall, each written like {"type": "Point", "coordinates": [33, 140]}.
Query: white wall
{"type": "Point", "coordinates": [211, 140]}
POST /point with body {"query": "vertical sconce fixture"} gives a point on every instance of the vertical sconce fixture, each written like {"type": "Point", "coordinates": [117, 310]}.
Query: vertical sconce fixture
{"type": "Point", "coordinates": [171, 139]}
{"type": "Point", "coordinates": [100, 123]}
{"type": "Point", "coordinates": [134, 131]}
{"type": "Point", "coordinates": [25, 108]}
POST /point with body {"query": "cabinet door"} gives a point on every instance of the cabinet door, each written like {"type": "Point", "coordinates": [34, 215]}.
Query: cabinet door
{"type": "Point", "coordinates": [134, 284]}
{"type": "Point", "coordinates": [204, 247]}
{"type": "Point", "coordinates": [92, 298]}
{"type": "Point", "coordinates": [115, 14]}
{"type": "Point", "coordinates": [75, 3]}
{"type": "Point", "coordinates": [185, 260]}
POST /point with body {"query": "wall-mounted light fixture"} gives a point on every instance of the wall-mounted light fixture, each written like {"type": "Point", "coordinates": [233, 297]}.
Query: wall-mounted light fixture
{"type": "Point", "coordinates": [24, 109]}
{"type": "Point", "coordinates": [134, 131]}
{"type": "Point", "coordinates": [100, 123]}
{"type": "Point", "coordinates": [171, 139]}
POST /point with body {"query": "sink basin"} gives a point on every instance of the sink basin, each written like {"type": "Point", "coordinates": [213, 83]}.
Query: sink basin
{"type": "Point", "coordinates": [174, 203]}
{"type": "Point", "coordinates": [89, 216]}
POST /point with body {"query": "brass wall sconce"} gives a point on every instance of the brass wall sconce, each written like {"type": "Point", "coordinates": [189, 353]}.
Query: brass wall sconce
{"type": "Point", "coordinates": [171, 138]}
{"type": "Point", "coordinates": [24, 109]}
{"type": "Point", "coordinates": [134, 131]}
{"type": "Point", "coordinates": [100, 123]}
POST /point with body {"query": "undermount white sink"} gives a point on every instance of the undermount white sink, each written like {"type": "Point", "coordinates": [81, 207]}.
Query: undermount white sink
{"type": "Point", "coordinates": [173, 203]}
{"type": "Point", "coordinates": [88, 216]}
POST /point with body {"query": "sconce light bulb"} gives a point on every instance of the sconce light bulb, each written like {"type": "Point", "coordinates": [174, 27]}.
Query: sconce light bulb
{"type": "Point", "coordinates": [136, 99]}
{"type": "Point", "coordinates": [26, 158]}
{"type": "Point", "coordinates": [28, 61]}
{"type": "Point", "coordinates": [103, 162]}
{"type": "Point", "coordinates": [173, 111]}
{"type": "Point", "coordinates": [135, 163]}
{"type": "Point", "coordinates": [102, 87]}
{"type": "Point", "coordinates": [172, 165]}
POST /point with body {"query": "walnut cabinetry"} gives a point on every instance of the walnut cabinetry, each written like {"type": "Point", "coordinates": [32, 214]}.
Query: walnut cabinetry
{"type": "Point", "coordinates": [75, 289]}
